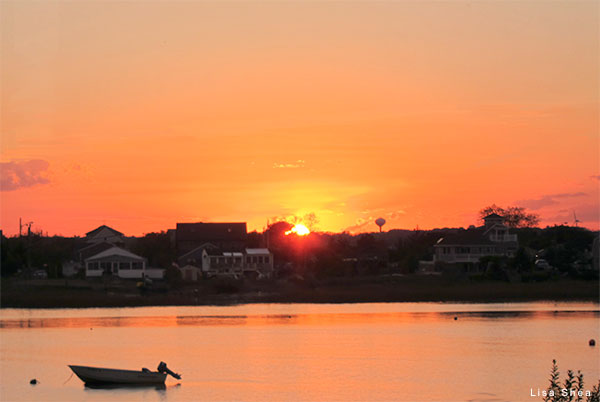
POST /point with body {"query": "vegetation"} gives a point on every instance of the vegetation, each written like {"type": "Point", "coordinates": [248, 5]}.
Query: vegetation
{"type": "Point", "coordinates": [571, 390]}
{"type": "Point", "coordinates": [514, 217]}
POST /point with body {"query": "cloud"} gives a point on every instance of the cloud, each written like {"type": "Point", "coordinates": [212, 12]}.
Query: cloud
{"type": "Point", "coordinates": [296, 165]}
{"type": "Point", "coordinates": [396, 214]}
{"type": "Point", "coordinates": [21, 174]}
{"type": "Point", "coordinates": [360, 223]}
{"type": "Point", "coordinates": [547, 200]}
{"type": "Point", "coordinates": [587, 214]}
{"type": "Point", "coordinates": [596, 177]}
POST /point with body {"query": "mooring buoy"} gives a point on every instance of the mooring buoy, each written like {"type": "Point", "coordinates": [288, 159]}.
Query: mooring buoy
{"type": "Point", "coordinates": [592, 342]}
{"type": "Point", "coordinates": [33, 382]}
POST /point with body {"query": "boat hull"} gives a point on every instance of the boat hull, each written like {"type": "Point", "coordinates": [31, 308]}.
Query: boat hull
{"type": "Point", "coordinates": [107, 376]}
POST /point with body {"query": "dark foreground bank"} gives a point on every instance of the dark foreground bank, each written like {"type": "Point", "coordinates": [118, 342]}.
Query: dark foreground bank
{"type": "Point", "coordinates": [61, 293]}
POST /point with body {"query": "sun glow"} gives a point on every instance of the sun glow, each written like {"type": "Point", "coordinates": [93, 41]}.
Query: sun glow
{"type": "Point", "coordinates": [299, 229]}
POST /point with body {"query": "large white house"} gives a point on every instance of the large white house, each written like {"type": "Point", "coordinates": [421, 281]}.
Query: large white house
{"type": "Point", "coordinates": [115, 261]}
{"type": "Point", "coordinates": [469, 246]}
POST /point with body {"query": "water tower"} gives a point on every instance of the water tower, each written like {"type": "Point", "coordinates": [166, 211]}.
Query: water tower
{"type": "Point", "coordinates": [380, 222]}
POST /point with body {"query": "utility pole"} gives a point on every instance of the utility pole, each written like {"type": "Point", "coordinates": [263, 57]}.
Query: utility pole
{"type": "Point", "coordinates": [21, 225]}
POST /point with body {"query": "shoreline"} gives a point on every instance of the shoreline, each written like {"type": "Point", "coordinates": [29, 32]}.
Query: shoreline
{"type": "Point", "coordinates": [207, 294]}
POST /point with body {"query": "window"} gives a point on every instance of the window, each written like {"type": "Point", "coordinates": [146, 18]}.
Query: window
{"type": "Point", "coordinates": [124, 265]}
{"type": "Point", "coordinates": [266, 259]}
{"type": "Point", "coordinates": [260, 260]}
{"type": "Point", "coordinates": [136, 265]}
{"type": "Point", "coordinates": [106, 266]}
{"type": "Point", "coordinates": [93, 266]}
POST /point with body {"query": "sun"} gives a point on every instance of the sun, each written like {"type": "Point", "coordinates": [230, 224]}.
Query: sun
{"type": "Point", "coordinates": [299, 229]}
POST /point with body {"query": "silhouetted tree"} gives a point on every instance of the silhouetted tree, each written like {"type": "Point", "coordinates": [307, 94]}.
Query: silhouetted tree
{"type": "Point", "coordinates": [156, 247]}
{"type": "Point", "coordinates": [514, 217]}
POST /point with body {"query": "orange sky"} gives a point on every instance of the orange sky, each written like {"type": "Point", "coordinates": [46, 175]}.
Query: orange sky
{"type": "Point", "coordinates": [139, 115]}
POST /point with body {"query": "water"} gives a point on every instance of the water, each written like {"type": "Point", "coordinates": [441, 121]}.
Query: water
{"type": "Point", "coordinates": [303, 352]}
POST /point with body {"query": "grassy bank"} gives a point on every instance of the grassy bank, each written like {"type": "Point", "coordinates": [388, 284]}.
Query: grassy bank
{"type": "Point", "coordinates": [379, 289]}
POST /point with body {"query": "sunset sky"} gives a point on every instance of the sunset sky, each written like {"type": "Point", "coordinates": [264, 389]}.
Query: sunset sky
{"type": "Point", "coordinates": [142, 114]}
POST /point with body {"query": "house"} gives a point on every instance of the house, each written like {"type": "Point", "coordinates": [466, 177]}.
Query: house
{"type": "Point", "coordinates": [104, 234]}
{"type": "Point", "coordinates": [218, 263]}
{"type": "Point", "coordinates": [100, 239]}
{"type": "Point", "coordinates": [258, 263]}
{"type": "Point", "coordinates": [469, 246]}
{"type": "Point", "coordinates": [226, 236]}
{"type": "Point", "coordinates": [194, 257]}
{"type": "Point", "coordinates": [252, 262]}
{"type": "Point", "coordinates": [115, 261]}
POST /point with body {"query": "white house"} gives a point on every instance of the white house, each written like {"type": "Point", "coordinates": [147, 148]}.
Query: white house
{"type": "Point", "coordinates": [252, 262]}
{"type": "Point", "coordinates": [468, 246]}
{"type": "Point", "coordinates": [219, 263]}
{"type": "Point", "coordinates": [259, 263]}
{"type": "Point", "coordinates": [115, 261]}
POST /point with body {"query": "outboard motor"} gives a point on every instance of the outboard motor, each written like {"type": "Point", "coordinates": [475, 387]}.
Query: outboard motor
{"type": "Point", "coordinates": [162, 368]}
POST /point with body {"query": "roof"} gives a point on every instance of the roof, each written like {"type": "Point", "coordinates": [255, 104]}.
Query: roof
{"type": "Point", "coordinates": [199, 248]}
{"type": "Point", "coordinates": [99, 228]}
{"type": "Point", "coordinates": [232, 254]}
{"type": "Point", "coordinates": [213, 251]}
{"type": "Point", "coordinates": [253, 251]}
{"type": "Point", "coordinates": [93, 249]}
{"type": "Point", "coordinates": [494, 216]}
{"type": "Point", "coordinates": [220, 253]}
{"type": "Point", "coordinates": [206, 232]}
{"type": "Point", "coordinates": [115, 251]}
{"type": "Point", "coordinates": [467, 237]}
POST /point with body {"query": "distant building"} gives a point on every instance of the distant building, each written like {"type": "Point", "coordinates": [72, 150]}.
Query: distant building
{"type": "Point", "coordinates": [222, 263]}
{"type": "Point", "coordinates": [258, 263]}
{"type": "Point", "coordinates": [191, 273]}
{"type": "Point", "coordinates": [115, 261]}
{"type": "Point", "coordinates": [194, 257]}
{"type": "Point", "coordinates": [209, 262]}
{"type": "Point", "coordinates": [104, 234]}
{"type": "Point", "coordinates": [226, 236]}
{"type": "Point", "coordinates": [469, 246]}
{"type": "Point", "coordinates": [100, 239]}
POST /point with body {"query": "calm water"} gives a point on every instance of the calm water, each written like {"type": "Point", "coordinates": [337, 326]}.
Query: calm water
{"type": "Point", "coordinates": [303, 352]}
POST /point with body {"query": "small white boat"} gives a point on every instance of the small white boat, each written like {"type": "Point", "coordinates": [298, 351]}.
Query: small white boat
{"type": "Point", "coordinates": [108, 376]}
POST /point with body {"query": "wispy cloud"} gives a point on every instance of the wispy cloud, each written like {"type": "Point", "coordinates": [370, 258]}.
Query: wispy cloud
{"type": "Point", "coordinates": [546, 200]}
{"type": "Point", "coordinates": [294, 165]}
{"type": "Point", "coordinates": [595, 177]}
{"type": "Point", "coordinates": [21, 174]}
{"type": "Point", "coordinates": [587, 214]}
{"type": "Point", "coordinates": [360, 223]}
